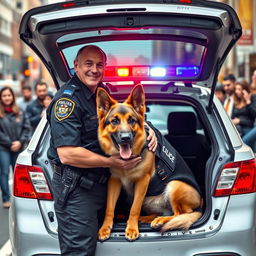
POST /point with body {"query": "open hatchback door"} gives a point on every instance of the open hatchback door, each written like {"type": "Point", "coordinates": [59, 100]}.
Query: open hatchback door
{"type": "Point", "coordinates": [173, 40]}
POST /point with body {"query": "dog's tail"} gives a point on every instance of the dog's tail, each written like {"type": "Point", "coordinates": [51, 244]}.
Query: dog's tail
{"type": "Point", "coordinates": [183, 221]}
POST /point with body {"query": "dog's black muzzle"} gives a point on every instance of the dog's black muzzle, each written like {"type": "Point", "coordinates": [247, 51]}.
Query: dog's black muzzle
{"type": "Point", "coordinates": [122, 138]}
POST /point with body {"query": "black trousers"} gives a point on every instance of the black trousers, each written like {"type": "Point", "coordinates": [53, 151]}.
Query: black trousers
{"type": "Point", "coordinates": [79, 218]}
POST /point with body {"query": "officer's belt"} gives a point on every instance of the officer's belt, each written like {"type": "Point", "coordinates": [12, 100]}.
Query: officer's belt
{"type": "Point", "coordinates": [95, 177]}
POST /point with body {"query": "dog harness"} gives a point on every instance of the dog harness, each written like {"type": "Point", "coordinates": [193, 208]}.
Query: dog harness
{"type": "Point", "coordinates": [169, 166]}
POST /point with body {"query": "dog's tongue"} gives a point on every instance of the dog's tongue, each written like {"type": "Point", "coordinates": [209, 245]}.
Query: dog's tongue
{"type": "Point", "coordinates": [125, 151]}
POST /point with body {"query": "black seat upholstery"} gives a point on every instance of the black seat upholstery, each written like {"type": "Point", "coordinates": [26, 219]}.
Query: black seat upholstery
{"type": "Point", "coordinates": [192, 146]}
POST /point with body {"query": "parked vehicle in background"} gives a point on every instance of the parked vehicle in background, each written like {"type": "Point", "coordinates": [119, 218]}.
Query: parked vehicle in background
{"type": "Point", "coordinates": [174, 49]}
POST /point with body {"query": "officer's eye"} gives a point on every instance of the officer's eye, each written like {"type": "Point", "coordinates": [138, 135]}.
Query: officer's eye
{"type": "Point", "coordinates": [88, 63]}
{"type": "Point", "coordinates": [115, 121]}
{"type": "Point", "coordinates": [131, 120]}
{"type": "Point", "coordinates": [100, 65]}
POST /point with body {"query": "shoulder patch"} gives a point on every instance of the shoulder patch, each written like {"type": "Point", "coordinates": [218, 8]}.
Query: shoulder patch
{"type": "Point", "coordinates": [68, 92]}
{"type": "Point", "coordinates": [63, 108]}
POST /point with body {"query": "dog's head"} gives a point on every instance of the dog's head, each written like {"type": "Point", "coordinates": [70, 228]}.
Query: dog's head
{"type": "Point", "coordinates": [121, 125]}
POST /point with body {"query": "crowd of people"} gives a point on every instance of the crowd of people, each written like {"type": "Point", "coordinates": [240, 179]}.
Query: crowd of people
{"type": "Point", "coordinates": [239, 101]}
{"type": "Point", "coordinates": [18, 119]}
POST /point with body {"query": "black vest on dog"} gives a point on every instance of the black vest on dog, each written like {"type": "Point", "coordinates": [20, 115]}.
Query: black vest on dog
{"type": "Point", "coordinates": [169, 166]}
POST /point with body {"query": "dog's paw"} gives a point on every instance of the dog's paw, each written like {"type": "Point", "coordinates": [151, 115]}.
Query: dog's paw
{"type": "Point", "coordinates": [131, 234]}
{"type": "Point", "coordinates": [160, 221]}
{"type": "Point", "coordinates": [104, 234]}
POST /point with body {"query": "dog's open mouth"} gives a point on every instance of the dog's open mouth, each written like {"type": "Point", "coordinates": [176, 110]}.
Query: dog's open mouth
{"type": "Point", "coordinates": [125, 151]}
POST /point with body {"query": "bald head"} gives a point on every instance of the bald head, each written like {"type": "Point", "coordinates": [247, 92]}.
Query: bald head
{"type": "Point", "coordinates": [89, 66]}
{"type": "Point", "coordinates": [91, 48]}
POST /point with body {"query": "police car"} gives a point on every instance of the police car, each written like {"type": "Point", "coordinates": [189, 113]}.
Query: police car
{"type": "Point", "coordinates": [175, 49]}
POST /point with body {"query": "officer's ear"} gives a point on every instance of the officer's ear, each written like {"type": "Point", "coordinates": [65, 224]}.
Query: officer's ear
{"type": "Point", "coordinates": [104, 103]}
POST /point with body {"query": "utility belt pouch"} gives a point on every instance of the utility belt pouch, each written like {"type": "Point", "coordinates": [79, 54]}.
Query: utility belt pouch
{"type": "Point", "coordinates": [69, 181]}
{"type": "Point", "coordinates": [86, 183]}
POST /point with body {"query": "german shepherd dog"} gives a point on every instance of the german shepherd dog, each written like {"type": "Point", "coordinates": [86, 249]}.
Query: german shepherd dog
{"type": "Point", "coordinates": [121, 130]}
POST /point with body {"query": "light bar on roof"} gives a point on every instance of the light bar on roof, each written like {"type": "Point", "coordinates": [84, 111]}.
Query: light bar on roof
{"type": "Point", "coordinates": [151, 72]}
{"type": "Point", "coordinates": [123, 71]}
{"type": "Point", "coordinates": [158, 72]}
{"type": "Point", "coordinates": [186, 71]}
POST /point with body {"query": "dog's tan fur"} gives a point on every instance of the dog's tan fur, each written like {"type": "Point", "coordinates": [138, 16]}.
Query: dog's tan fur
{"type": "Point", "coordinates": [182, 197]}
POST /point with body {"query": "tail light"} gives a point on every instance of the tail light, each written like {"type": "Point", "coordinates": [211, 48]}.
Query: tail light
{"type": "Point", "coordinates": [30, 182]}
{"type": "Point", "coordinates": [237, 178]}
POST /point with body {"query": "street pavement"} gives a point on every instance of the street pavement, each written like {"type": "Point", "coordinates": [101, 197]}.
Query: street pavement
{"type": "Point", "coordinates": [5, 247]}
{"type": "Point", "coordinates": [4, 231]}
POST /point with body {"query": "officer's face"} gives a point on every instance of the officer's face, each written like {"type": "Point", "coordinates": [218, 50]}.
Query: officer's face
{"type": "Point", "coordinates": [89, 67]}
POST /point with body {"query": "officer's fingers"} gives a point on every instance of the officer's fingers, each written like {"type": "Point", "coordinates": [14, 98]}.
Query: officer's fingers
{"type": "Point", "coordinates": [133, 162]}
{"type": "Point", "coordinates": [153, 147]}
{"type": "Point", "coordinates": [153, 144]}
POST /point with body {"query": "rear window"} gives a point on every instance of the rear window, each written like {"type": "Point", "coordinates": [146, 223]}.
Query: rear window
{"type": "Point", "coordinates": [141, 50]}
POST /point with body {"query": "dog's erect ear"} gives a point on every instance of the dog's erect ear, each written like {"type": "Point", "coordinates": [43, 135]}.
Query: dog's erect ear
{"type": "Point", "coordinates": [104, 102]}
{"type": "Point", "coordinates": [137, 99]}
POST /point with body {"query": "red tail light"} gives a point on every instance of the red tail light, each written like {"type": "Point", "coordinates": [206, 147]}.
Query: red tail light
{"type": "Point", "coordinates": [237, 178]}
{"type": "Point", "coordinates": [30, 182]}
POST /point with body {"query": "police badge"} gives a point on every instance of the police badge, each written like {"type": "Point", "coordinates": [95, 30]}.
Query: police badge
{"type": "Point", "coordinates": [63, 108]}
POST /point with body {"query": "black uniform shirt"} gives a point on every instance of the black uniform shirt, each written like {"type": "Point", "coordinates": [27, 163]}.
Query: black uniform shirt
{"type": "Point", "coordinates": [73, 119]}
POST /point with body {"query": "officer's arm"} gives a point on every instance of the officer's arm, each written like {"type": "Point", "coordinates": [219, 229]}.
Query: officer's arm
{"type": "Point", "coordinates": [84, 158]}
{"type": "Point", "coordinates": [81, 157]}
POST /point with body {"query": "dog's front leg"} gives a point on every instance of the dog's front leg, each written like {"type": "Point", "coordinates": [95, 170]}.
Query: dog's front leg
{"type": "Point", "coordinates": [114, 188]}
{"type": "Point", "coordinates": [132, 228]}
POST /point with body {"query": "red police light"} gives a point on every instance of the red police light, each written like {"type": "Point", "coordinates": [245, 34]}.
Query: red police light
{"type": "Point", "coordinates": [186, 1]}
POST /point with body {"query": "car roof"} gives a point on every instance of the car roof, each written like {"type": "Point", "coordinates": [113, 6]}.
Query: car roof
{"type": "Point", "coordinates": [53, 29]}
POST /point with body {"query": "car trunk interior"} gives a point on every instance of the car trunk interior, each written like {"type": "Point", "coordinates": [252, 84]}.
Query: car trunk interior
{"type": "Point", "coordinates": [182, 126]}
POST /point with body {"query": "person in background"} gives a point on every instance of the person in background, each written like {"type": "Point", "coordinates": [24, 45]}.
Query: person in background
{"type": "Point", "coordinates": [229, 87]}
{"type": "Point", "coordinates": [253, 83]}
{"type": "Point", "coordinates": [36, 107]}
{"type": "Point", "coordinates": [250, 137]}
{"type": "Point", "coordinates": [244, 110]}
{"type": "Point", "coordinates": [14, 132]}
{"type": "Point", "coordinates": [26, 97]}
{"type": "Point", "coordinates": [220, 92]}
{"type": "Point", "coordinates": [47, 101]}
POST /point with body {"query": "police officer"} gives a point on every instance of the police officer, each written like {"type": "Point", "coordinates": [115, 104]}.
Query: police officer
{"type": "Point", "coordinates": [80, 167]}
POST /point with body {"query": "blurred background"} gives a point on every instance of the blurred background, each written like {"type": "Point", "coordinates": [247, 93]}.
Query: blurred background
{"type": "Point", "coordinates": [19, 66]}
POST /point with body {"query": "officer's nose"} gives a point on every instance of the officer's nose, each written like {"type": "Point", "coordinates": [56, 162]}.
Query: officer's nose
{"type": "Point", "coordinates": [94, 68]}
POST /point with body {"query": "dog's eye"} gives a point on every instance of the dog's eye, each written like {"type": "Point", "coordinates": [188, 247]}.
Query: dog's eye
{"type": "Point", "coordinates": [131, 121]}
{"type": "Point", "coordinates": [115, 121]}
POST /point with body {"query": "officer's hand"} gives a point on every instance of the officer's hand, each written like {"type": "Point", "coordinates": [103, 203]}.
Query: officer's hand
{"type": "Point", "coordinates": [152, 145]}
{"type": "Point", "coordinates": [117, 162]}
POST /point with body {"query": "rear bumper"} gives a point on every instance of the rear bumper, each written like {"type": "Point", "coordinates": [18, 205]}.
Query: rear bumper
{"type": "Point", "coordinates": [237, 235]}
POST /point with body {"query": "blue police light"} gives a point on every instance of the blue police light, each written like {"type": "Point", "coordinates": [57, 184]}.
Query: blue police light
{"type": "Point", "coordinates": [187, 71]}
{"type": "Point", "coordinates": [157, 72]}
